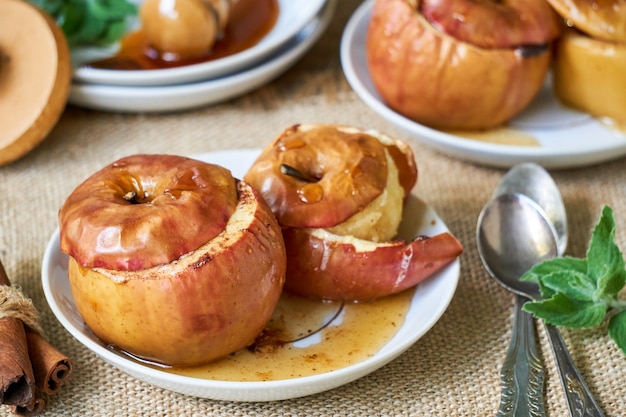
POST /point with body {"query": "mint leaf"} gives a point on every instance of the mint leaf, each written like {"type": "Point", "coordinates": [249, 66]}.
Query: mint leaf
{"type": "Point", "coordinates": [604, 259]}
{"type": "Point", "coordinates": [563, 311]}
{"type": "Point", "coordinates": [581, 293]}
{"type": "Point", "coordinates": [554, 265]}
{"type": "Point", "coordinates": [617, 330]}
{"type": "Point", "coordinates": [89, 22]}
{"type": "Point", "coordinates": [573, 284]}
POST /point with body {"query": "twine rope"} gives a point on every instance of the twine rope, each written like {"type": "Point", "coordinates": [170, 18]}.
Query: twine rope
{"type": "Point", "coordinates": [14, 304]}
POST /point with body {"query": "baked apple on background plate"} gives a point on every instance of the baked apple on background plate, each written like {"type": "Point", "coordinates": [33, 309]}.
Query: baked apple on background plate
{"type": "Point", "coordinates": [460, 64]}
{"type": "Point", "coordinates": [590, 58]}
{"type": "Point", "coordinates": [538, 133]}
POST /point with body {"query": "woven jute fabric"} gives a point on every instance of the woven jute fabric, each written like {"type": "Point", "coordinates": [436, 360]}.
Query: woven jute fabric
{"type": "Point", "coordinates": [453, 370]}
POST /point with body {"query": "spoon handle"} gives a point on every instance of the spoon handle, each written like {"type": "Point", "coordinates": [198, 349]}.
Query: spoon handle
{"type": "Point", "coordinates": [580, 401]}
{"type": "Point", "coordinates": [522, 373]}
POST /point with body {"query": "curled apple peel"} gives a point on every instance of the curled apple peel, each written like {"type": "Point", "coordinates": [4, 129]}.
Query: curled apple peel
{"type": "Point", "coordinates": [333, 267]}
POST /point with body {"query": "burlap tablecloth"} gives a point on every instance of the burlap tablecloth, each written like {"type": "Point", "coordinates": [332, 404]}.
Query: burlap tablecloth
{"type": "Point", "coordinates": [453, 370]}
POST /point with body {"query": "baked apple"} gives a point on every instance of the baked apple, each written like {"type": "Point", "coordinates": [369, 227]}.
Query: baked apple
{"type": "Point", "coordinates": [589, 75]}
{"type": "Point", "coordinates": [184, 29]}
{"type": "Point", "coordinates": [171, 259]}
{"type": "Point", "coordinates": [460, 64]}
{"type": "Point", "coordinates": [338, 194]}
{"type": "Point", "coordinates": [600, 19]}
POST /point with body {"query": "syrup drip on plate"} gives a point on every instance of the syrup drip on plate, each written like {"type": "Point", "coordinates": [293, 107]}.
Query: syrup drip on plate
{"type": "Point", "coordinates": [309, 337]}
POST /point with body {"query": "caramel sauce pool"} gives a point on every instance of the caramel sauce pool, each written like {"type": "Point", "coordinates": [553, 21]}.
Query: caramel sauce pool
{"type": "Point", "coordinates": [363, 330]}
{"type": "Point", "coordinates": [499, 136]}
{"type": "Point", "coordinates": [250, 21]}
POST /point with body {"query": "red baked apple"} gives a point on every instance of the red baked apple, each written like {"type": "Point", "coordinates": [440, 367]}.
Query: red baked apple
{"type": "Point", "coordinates": [340, 203]}
{"type": "Point", "coordinates": [171, 259]}
{"type": "Point", "coordinates": [460, 64]}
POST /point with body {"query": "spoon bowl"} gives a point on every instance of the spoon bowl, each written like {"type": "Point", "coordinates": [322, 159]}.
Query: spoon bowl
{"type": "Point", "coordinates": [532, 180]}
{"type": "Point", "coordinates": [513, 236]}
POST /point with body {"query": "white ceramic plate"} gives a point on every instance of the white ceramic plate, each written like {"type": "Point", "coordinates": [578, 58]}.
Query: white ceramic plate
{"type": "Point", "coordinates": [293, 16]}
{"type": "Point", "coordinates": [430, 300]}
{"type": "Point", "coordinates": [566, 138]}
{"type": "Point", "coordinates": [186, 96]}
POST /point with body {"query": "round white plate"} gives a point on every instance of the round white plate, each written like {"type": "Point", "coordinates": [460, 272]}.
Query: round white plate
{"type": "Point", "coordinates": [566, 138]}
{"type": "Point", "coordinates": [430, 300]}
{"type": "Point", "coordinates": [293, 16]}
{"type": "Point", "coordinates": [186, 96]}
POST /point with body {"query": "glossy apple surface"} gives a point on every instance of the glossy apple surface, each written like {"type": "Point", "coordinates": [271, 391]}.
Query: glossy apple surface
{"type": "Point", "coordinates": [206, 304]}
{"type": "Point", "coordinates": [601, 19]}
{"type": "Point", "coordinates": [144, 210]}
{"type": "Point", "coordinates": [433, 78]}
{"type": "Point", "coordinates": [327, 266]}
{"type": "Point", "coordinates": [343, 170]}
{"type": "Point", "coordinates": [590, 75]}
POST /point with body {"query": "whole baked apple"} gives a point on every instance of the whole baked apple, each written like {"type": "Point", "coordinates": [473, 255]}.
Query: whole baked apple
{"type": "Point", "coordinates": [338, 194]}
{"type": "Point", "coordinates": [460, 64]}
{"type": "Point", "coordinates": [171, 259]}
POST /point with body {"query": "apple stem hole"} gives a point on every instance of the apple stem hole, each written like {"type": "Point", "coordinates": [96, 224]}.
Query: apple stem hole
{"type": "Point", "coordinates": [131, 197]}
{"type": "Point", "coordinates": [295, 173]}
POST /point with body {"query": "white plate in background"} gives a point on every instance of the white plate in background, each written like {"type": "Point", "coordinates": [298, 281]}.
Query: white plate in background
{"type": "Point", "coordinates": [293, 16]}
{"type": "Point", "coordinates": [431, 298]}
{"type": "Point", "coordinates": [567, 138]}
{"type": "Point", "coordinates": [186, 96]}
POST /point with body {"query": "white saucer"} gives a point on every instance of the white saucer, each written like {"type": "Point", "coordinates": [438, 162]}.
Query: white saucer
{"type": "Point", "coordinates": [430, 300]}
{"type": "Point", "coordinates": [567, 138]}
{"type": "Point", "coordinates": [186, 96]}
{"type": "Point", "coordinates": [293, 16]}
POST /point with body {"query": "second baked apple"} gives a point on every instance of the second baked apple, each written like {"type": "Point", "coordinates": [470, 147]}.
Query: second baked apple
{"type": "Point", "coordinates": [338, 194]}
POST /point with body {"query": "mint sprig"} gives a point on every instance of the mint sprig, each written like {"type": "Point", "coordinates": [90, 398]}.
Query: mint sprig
{"type": "Point", "coordinates": [582, 292]}
{"type": "Point", "coordinates": [89, 22]}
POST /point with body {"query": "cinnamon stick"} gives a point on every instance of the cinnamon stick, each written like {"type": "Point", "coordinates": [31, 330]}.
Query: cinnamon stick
{"type": "Point", "coordinates": [17, 380]}
{"type": "Point", "coordinates": [51, 367]}
{"type": "Point", "coordinates": [35, 407]}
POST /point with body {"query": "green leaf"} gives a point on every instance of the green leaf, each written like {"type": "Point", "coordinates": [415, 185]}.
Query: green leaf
{"type": "Point", "coordinates": [551, 266]}
{"type": "Point", "coordinates": [90, 21]}
{"type": "Point", "coordinates": [563, 311]}
{"type": "Point", "coordinates": [604, 258]}
{"type": "Point", "coordinates": [617, 330]}
{"type": "Point", "coordinates": [573, 284]}
{"type": "Point", "coordinates": [555, 265]}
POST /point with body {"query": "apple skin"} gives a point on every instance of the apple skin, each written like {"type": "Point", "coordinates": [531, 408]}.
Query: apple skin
{"type": "Point", "coordinates": [601, 19]}
{"type": "Point", "coordinates": [333, 267]}
{"type": "Point", "coordinates": [180, 203]}
{"type": "Point", "coordinates": [344, 185]}
{"type": "Point", "coordinates": [439, 81]}
{"type": "Point", "coordinates": [207, 304]}
{"type": "Point", "coordinates": [494, 23]}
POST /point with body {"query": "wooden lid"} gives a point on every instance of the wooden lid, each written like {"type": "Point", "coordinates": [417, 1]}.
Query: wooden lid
{"type": "Point", "coordinates": [35, 76]}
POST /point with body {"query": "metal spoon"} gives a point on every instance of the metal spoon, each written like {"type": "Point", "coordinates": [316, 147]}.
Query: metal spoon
{"type": "Point", "coordinates": [535, 182]}
{"type": "Point", "coordinates": [513, 234]}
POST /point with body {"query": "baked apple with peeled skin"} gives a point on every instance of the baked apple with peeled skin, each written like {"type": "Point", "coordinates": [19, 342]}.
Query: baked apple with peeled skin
{"type": "Point", "coordinates": [590, 75]}
{"type": "Point", "coordinates": [338, 193]}
{"type": "Point", "coordinates": [590, 57]}
{"type": "Point", "coordinates": [171, 259]}
{"type": "Point", "coordinates": [460, 64]}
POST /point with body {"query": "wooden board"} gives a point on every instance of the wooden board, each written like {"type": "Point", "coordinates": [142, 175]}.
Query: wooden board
{"type": "Point", "coordinates": [35, 75]}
